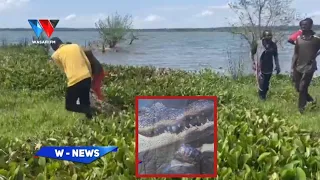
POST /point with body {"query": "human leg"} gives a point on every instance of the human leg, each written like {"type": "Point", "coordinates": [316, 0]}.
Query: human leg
{"type": "Point", "coordinates": [97, 85]}
{"type": "Point", "coordinates": [264, 83]}
{"type": "Point", "coordinates": [73, 93]}
{"type": "Point", "coordinates": [297, 79]}
{"type": "Point", "coordinates": [84, 97]}
{"type": "Point", "coordinates": [71, 98]}
{"type": "Point", "coordinates": [304, 95]}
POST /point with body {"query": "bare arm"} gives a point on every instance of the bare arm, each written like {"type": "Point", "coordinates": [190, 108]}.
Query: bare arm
{"type": "Point", "coordinates": [318, 53]}
{"type": "Point", "coordinates": [89, 66]}
{"type": "Point", "coordinates": [253, 51]}
{"type": "Point", "coordinates": [88, 53]}
{"type": "Point", "coordinates": [56, 59]}
{"type": "Point", "coordinates": [291, 42]}
{"type": "Point", "coordinates": [295, 57]}
{"type": "Point", "coordinates": [276, 57]}
{"type": "Point", "coordinates": [276, 61]}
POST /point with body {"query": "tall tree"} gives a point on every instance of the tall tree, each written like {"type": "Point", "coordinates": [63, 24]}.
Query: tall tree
{"type": "Point", "coordinates": [255, 16]}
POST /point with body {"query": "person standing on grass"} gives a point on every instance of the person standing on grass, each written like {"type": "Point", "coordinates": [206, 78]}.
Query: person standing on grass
{"type": "Point", "coordinates": [75, 64]}
{"type": "Point", "coordinates": [304, 62]}
{"type": "Point", "coordinates": [265, 64]}
{"type": "Point", "coordinates": [97, 73]}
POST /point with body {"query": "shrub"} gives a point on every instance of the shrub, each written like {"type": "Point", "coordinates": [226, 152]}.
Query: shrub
{"type": "Point", "coordinates": [113, 29]}
{"type": "Point", "coordinates": [29, 68]}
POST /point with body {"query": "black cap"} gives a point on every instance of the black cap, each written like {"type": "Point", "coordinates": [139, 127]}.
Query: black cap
{"type": "Point", "coordinates": [309, 20]}
{"type": "Point", "coordinates": [57, 43]}
{"type": "Point", "coordinates": [266, 34]}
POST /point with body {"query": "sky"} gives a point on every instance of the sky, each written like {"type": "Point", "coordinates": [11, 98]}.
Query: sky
{"type": "Point", "coordinates": [146, 13]}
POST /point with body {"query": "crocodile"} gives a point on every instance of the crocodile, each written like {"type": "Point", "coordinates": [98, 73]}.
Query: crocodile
{"type": "Point", "coordinates": [102, 107]}
{"type": "Point", "coordinates": [172, 140]}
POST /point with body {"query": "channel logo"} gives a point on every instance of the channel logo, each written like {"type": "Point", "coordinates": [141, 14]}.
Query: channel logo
{"type": "Point", "coordinates": [43, 25]}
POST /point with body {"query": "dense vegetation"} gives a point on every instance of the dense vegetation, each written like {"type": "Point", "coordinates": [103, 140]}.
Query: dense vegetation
{"type": "Point", "coordinates": [257, 140]}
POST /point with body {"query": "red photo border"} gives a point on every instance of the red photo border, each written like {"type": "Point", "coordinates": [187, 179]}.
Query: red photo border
{"type": "Point", "coordinates": [215, 136]}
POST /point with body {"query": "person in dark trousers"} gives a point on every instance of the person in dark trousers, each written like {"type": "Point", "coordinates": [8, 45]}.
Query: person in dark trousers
{"type": "Point", "coordinates": [74, 63]}
{"type": "Point", "coordinates": [97, 73]}
{"type": "Point", "coordinates": [304, 62]}
{"type": "Point", "coordinates": [269, 53]}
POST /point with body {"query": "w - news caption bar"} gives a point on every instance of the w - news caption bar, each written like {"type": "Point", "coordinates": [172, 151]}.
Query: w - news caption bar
{"type": "Point", "coordinates": [79, 154]}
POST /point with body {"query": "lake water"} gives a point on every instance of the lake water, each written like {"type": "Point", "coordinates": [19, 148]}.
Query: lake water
{"type": "Point", "coordinates": [182, 50]}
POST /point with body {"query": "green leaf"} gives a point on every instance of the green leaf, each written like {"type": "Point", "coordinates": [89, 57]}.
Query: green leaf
{"type": "Point", "coordinates": [18, 173]}
{"type": "Point", "coordinates": [247, 172]}
{"type": "Point", "coordinates": [244, 158]}
{"type": "Point", "coordinates": [41, 177]}
{"type": "Point", "coordinates": [130, 165]}
{"type": "Point", "coordinates": [308, 151]}
{"type": "Point", "coordinates": [301, 175]}
{"type": "Point", "coordinates": [227, 174]}
{"type": "Point", "coordinates": [288, 174]}
{"type": "Point", "coordinates": [274, 176]}
{"type": "Point", "coordinates": [3, 172]}
{"type": "Point", "coordinates": [292, 164]}
{"type": "Point", "coordinates": [274, 160]}
{"type": "Point", "coordinates": [42, 161]}
{"type": "Point", "coordinates": [263, 156]}
{"type": "Point", "coordinates": [267, 167]}
{"type": "Point", "coordinates": [300, 145]}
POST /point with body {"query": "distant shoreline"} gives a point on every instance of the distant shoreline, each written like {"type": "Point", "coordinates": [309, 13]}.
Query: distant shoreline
{"type": "Point", "coordinates": [217, 29]}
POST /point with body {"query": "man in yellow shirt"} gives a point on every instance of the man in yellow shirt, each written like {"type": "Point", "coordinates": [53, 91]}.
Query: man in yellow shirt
{"type": "Point", "coordinates": [72, 60]}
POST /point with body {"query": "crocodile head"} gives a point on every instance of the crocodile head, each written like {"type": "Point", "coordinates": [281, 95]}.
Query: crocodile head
{"type": "Point", "coordinates": [158, 119]}
{"type": "Point", "coordinates": [166, 153]}
{"type": "Point", "coordinates": [168, 136]}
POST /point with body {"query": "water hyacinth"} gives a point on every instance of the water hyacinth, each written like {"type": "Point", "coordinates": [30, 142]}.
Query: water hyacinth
{"type": "Point", "coordinates": [256, 140]}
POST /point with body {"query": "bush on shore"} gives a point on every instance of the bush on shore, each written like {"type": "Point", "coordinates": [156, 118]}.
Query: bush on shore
{"type": "Point", "coordinates": [254, 142]}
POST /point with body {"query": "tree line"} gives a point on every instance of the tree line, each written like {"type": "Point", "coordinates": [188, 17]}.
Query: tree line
{"type": "Point", "coordinates": [253, 17]}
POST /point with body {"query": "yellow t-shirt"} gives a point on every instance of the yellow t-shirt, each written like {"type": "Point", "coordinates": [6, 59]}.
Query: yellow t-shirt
{"type": "Point", "coordinates": [73, 61]}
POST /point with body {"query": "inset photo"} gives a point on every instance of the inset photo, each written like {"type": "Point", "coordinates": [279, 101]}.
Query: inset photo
{"type": "Point", "coordinates": [176, 136]}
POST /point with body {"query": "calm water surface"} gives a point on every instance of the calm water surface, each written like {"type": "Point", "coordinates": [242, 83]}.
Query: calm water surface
{"type": "Point", "coordinates": [181, 50]}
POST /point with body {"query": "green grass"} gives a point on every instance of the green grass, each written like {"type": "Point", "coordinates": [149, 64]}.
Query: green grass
{"type": "Point", "coordinates": [28, 114]}
{"type": "Point", "coordinates": [31, 113]}
{"type": "Point", "coordinates": [283, 99]}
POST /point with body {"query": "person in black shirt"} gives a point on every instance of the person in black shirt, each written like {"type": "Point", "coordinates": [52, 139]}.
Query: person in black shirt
{"type": "Point", "coordinates": [269, 53]}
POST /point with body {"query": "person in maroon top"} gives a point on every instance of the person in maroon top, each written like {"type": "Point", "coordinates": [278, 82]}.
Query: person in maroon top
{"type": "Point", "coordinates": [97, 72]}
{"type": "Point", "coordinates": [304, 62]}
